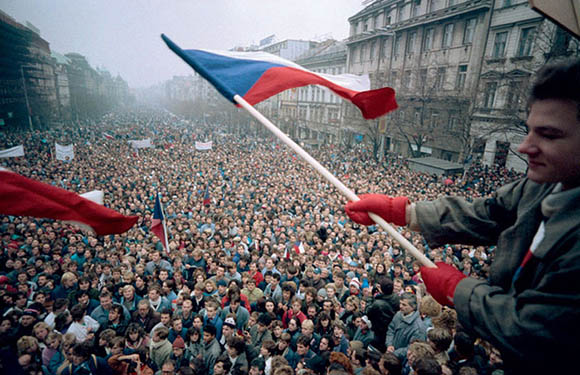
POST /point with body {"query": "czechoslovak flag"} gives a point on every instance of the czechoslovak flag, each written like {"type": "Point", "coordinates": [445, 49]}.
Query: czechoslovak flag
{"type": "Point", "coordinates": [158, 225]}
{"type": "Point", "coordinates": [21, 196]}
{"type": "Point", "coordinates": [256, 76]}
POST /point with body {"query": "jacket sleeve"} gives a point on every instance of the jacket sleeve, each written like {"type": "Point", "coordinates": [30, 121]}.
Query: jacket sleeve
{"type": "Point", "coordinates": [455, 220]}
{"type": "Point", "coordinates": [390, 333]}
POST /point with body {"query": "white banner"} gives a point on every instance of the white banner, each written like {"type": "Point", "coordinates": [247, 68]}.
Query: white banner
{"type": "Point", "coordinates": [64, 153]}
{"type": "Point", "coordinates": [12, 152]}
{"type": "Point", "coordinates": [143, 143]}
{"type": "Point", "coordinates": [203, 145]}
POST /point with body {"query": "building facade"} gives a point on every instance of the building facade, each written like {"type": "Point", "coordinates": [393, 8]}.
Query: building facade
{"type": "Point", "coordinates": [430, 52]}
{"type": "Point", "coordinates": [312, 113]}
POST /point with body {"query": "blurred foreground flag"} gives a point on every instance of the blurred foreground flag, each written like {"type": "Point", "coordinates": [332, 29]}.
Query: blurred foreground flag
{"type": "Point", "coordinates": [21, 196]}
{"type": "Point", "coordinates": [258, 75]}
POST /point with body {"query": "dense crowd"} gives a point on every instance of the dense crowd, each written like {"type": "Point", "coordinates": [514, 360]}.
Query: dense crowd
{"type": "Point", "coordinates": [268, 277]}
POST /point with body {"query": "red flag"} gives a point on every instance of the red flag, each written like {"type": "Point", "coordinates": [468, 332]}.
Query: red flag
{"type": "Point", "coordinates": [21, 196]}
{"type": "Point", "coordinates": [206, 199]}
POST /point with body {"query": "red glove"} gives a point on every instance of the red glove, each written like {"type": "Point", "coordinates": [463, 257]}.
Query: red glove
{"type": "Point", "coordinates": [441, 282]}
{"type": "Point", "coordinates": [393, 210]}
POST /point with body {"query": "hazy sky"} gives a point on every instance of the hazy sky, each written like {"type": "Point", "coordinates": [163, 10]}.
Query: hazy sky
{"type": "Point", "coordinates": [123, 36]}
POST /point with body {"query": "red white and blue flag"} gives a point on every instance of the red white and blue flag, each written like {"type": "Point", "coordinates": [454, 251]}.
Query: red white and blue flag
{"type": "Point", "coordinates": [256, 76]}
{"type": "Point", "coordinates": [108, 136]}
{"type": "Point", "coordinates": [21, 196]}
{"type": "Point", "coordinates": [206, 199]}
{"type": "Point", "coordinates": [158, 224]}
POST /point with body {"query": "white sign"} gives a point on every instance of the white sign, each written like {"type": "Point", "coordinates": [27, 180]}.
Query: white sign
{"type": "Point", "coordinates": [142, 143]}
{"type": "Point", "coordinates": [64, 153]}
{"type": "Point", "coordinates": [12, 152]}
{"type": "Point", "coordinates": [203, 145]}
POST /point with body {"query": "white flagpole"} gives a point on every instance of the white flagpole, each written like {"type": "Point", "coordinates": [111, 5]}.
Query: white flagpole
{"type": "Point", "coordinates": [164, 223]}
{"type": "Point", "coordinates": [333, 180]}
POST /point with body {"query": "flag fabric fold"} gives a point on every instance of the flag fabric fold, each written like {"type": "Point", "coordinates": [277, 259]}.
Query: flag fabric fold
{"type": "Point", "coordinates": [256, 76]}
{"type": "Point", "coordinates": [21, 196]}
{"type": "Point", "coordinates": [158, 224]}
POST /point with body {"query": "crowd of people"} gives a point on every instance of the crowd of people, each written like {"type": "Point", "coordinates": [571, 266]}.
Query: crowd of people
{"type": "Point", "coordinates": [264, 272]}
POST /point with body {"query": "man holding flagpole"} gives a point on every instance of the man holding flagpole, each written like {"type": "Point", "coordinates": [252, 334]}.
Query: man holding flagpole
{"type": "Point", "coordinates": [530, 306]}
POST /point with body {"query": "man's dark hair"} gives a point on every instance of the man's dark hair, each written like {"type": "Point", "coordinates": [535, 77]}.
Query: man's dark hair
{"type": "Point", "coordinates": [557, 81]}
{"type": "Point", "coordinates": [427, 366]}
{"type": "Point", "coordinates": [82, 349]}
{"type": "Point", "coordinates": [386, 285]}
{"type": "Point", "coordinates": [464, 344]}
{"type": "Point", "coordinates": [303, 340]}
{"type": "Point", "coordinates": [392, 363]}
{"type": "Point", "coordinates": [77, 312]}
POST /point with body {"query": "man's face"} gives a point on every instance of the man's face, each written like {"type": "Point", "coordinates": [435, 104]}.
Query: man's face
{"type": "Point", "coordinates": [207, 337]}
{"type": "Point", "coordinates": [553, 142]}
{"type": "Point", "coordinates": [106, 302]}
{"type": "Point", "coordinates": [143, 310]}
{"type": "Point", "coordinates": [187, 306]}
{"type": "Point", "coordinates": [227, 331]}
{"type": "Point", "coordinates": [113, 315]}
{"type": "Point", "coordinates": [405, 307]}
{"type": "Point", "coordinates": [165, 319]}
{"type": "Point", "coordinates": [218, 368]}
{"type": "Point", "coordinates": [301, 349]}
{"type": "Point", "coordinates": [210, 312]}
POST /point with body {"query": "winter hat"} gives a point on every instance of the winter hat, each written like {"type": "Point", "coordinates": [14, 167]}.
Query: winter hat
{"type": "Point", "coordinates": [367, 321]}
{"type": "Point", "coordinates": [230, 322]}
{"type": "Point", "coordinates": [179, 343]}
{"type": "Point", "coordinates": [354, 282]}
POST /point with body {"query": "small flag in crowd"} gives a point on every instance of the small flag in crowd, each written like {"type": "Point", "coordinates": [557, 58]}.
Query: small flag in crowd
{"type": "Point", "coordinates": [158, 224]}
{"type": "Point", "coordinates": [21, 196]}
{"type": "Point", "coordinates": [108, 136]}
{"type": "Point", "coordinates": [206, 199]}
{"type": "Point", "coordinates": [256, 76]}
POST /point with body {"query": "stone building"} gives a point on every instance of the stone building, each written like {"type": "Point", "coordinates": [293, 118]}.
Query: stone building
{"type": "Point", "coordinates": [430, 52]}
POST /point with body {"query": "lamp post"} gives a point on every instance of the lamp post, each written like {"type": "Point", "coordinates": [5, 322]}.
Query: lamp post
{"type": "Point", "coordinates": [26, 96]}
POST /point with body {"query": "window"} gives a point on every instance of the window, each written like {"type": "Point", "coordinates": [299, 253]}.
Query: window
{"type": "Point", "coordinates": [447, 36]}
{"type": "Point", "coordinates": [385, 49]}
{"type": "Point", "coordinates": [362, 53]}
{"type": "Point", "coordinates": [415, 8]}
{"type": "Point", "coordinates": [422, 78]}
{"type": "Point", "coordinates": [489, 95]}
{"type": "Point", "coordinates": [507, 3]}
{"type": "Point", "coordinates": [513, 95]}
{"type": "Point", "coordinates": [469, 31]}
{"type": "Point", "coordinates": [393, 78]}
{"type": "Point", "coordinates": [387, 20]}
{"type": "Point", "coordinates": [440, 78]}
{"type": "Point", "coordinates": [411, 42]}
{"type": "Point", "coordinates": [453, 122]}
{"type": "Point", "coordinates": [407, 79]}
{"type": "Point", "coordinates": [526, 39]}
{"type": "Point", "coordinates": [398, 40]}
{"type": "Point", "coordinates": [372, 50]}
{"type": "Point", "coordinates": [461, 75]}
{"type": "Point", "coordinates": [434, 119]}
{"type": "Point", "coordinates": [499, 44]}
{"type": "Point", "coordinates": [428, 41]}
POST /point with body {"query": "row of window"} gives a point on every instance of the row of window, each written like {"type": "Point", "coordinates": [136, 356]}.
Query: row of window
{"type": "Point", "coordinates": [525, 43]}
{"type": "Point", "coordinates": [438, 82]}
